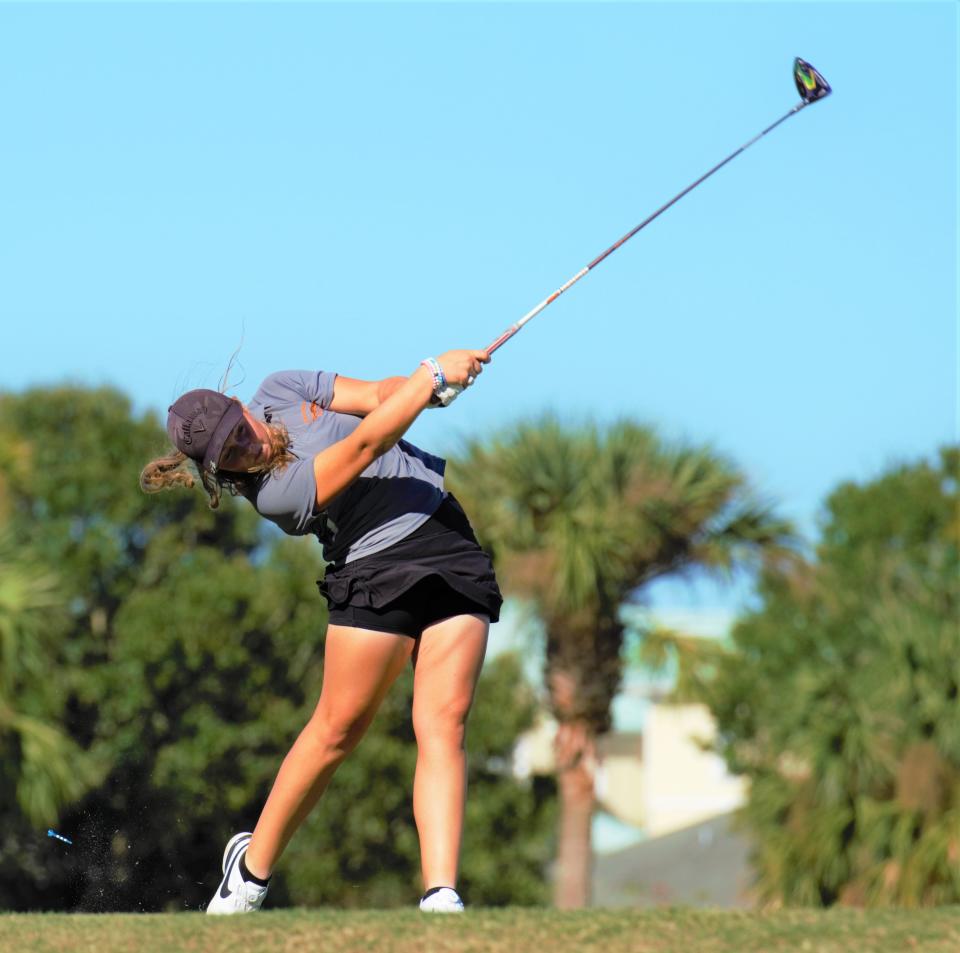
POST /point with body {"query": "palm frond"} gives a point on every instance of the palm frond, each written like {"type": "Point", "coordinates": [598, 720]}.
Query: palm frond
{"type": "Point", "coordinates": [53, 771]}
{"type": "Point", "coordinates": [30, 604]}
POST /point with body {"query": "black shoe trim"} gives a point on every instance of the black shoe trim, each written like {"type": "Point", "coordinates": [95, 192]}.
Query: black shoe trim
{"type": "Point", "coordinates": [434, 890]}
{"type": "Point", "coordinates": [239, 846]}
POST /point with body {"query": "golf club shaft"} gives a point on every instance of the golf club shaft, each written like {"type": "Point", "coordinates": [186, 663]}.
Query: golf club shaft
{"type": "Point", "coordinates": [512, 330]}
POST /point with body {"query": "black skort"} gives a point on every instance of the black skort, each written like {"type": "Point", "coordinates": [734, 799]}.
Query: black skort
{"type": "Point", "coordinates": [438, 571]}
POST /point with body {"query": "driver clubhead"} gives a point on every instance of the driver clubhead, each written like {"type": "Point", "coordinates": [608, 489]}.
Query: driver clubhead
{"type": "Point", "coordinates": [810, 84]}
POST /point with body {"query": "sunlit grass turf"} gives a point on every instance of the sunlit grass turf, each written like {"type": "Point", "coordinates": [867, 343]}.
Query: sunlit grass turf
{"type": "Point", "coordinates": [497, 931]}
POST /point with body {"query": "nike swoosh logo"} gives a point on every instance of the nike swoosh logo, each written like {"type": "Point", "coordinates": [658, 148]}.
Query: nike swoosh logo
{"type": "Point", "coordinates": [238, 850]}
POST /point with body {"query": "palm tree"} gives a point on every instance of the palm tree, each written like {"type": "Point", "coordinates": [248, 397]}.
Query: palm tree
{"type": "Point", "coordinates": [44, 767]}
{"type": "Point", "coordinates": [579, 520]}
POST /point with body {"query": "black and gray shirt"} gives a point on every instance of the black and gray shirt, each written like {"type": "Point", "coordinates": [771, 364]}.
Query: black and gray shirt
{"type": "Point", "coordinates": [395, 495]}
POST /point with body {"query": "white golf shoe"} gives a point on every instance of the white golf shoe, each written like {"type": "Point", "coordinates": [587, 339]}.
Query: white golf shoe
{"type": "Point", "coordinates": [441, 900]}
{"type": "Point", "coordinates": [236, 895]}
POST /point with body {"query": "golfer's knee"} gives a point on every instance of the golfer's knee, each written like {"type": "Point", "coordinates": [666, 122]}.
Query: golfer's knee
{"type": "Point", "coordinates": [335, 735]}
{"type": "Point", "coordinates": [442, 726]}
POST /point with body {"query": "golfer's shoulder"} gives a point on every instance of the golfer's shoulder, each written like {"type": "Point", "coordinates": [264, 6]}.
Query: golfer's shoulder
{"type": "Point", "coordinates": [294, 386]}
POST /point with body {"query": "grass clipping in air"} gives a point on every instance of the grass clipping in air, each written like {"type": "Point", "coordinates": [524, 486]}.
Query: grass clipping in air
{"type": "Point", "coordinates": [664, 930]}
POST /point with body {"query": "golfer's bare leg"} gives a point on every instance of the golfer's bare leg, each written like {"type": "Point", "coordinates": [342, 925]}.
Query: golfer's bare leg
{"type": "Point", "coordinates": [359, 667]}
{"type": "Point", "coordinates": [447, 663]}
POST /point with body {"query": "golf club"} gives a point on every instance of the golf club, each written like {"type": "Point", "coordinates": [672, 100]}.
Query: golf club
{"type": "Point", "coordinates": [811, 86]}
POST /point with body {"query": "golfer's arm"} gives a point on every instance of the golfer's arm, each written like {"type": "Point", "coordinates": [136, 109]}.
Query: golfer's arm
{"type": "Point", "coordinates": [338, 466]}
{"type": "Point", "coordinates": [351, 396]}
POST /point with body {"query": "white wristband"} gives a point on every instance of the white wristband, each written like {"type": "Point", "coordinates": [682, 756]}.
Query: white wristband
{"type": "Point", "coordinates": [444, 394]}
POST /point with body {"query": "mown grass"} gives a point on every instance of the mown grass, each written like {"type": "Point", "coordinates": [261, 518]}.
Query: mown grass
{"type": "Point", "coordinates": [677, 930]}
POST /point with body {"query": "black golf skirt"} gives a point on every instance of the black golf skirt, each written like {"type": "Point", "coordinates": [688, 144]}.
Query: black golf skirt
{"type": "Point", "coordinates": [438, 571]}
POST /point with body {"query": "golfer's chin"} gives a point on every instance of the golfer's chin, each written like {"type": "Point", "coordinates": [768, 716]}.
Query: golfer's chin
{"type": "Point", "coordinates": [262, 463]}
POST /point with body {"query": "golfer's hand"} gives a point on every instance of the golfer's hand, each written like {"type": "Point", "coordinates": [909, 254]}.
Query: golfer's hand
{"type": "Point", "coordinates": [462, 368]}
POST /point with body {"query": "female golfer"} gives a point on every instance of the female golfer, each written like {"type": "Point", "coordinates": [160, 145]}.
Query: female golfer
{"type": "Point", "coordinates": [318, 453]}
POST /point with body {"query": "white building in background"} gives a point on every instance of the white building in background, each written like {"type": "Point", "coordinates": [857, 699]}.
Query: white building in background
{"type": "Point", "coordinates": [681, 783]}
{"type": "Point", "coordinates": [656, 781]}
{"type": "Point", "coordinates": [654, 775]}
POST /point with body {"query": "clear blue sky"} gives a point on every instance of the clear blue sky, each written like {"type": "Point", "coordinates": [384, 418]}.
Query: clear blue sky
{"type": "Point", "coordinates": [353, 187]}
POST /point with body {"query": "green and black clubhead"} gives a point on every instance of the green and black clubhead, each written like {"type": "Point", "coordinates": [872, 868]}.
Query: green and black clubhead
{"type": "Point", "coordinates": [810, 84]}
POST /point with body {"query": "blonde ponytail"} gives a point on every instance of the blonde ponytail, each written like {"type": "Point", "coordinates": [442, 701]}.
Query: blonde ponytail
{"type": "Point", "coordinates": [164, 473]}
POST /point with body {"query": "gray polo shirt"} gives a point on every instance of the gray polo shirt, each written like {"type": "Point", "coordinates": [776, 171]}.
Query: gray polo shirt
{"type": "Point", "coordinates": [397, 493]}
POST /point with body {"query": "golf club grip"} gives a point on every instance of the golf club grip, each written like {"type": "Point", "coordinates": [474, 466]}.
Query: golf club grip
{"type": "Point", "coordinates": [509, 333]}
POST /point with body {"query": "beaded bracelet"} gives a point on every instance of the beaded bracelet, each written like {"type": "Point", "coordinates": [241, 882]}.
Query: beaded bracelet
{"type": "Point", "coordinates": [433, 365]}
